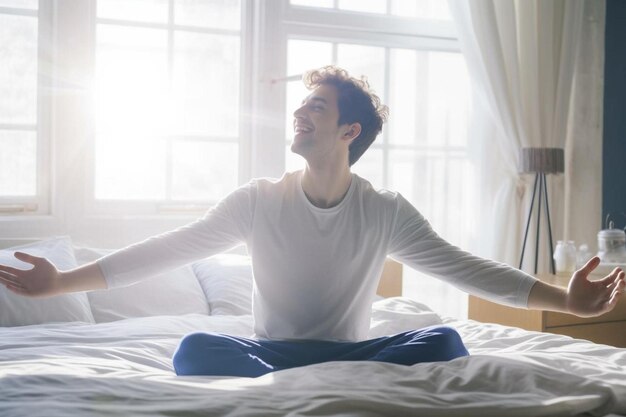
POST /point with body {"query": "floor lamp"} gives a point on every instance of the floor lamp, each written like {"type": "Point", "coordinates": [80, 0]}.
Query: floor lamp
{"type": "Point", "coordinates": [540, 161]}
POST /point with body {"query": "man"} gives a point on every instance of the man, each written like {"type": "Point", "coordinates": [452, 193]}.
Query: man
{"type": "Point", "coordinates": [318, 240]}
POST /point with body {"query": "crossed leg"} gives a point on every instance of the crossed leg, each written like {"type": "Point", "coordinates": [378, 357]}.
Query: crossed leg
{"type": "Point", "coordinates": [223, 355]}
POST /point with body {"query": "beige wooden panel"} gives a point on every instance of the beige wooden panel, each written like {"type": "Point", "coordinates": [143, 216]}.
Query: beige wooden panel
{"type": "Point", "coordinates": [613, 333]}
{"type": "Point", "coordinates": [561, 319]}
{"type": "Point", "coordinates": [488, 312]}
{"type": "Point", "coordinates": [390, 284]}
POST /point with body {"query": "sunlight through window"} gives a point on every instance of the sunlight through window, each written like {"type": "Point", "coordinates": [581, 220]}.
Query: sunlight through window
{"type": "Point", "coordinates": [167, 100]}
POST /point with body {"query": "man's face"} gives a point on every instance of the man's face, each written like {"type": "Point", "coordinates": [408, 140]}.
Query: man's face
{"type": "Point", "coordinates": [315, 124]}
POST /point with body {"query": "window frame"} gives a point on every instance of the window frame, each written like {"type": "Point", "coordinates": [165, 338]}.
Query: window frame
{"type": "Point", "coordinates": [155, 208]}
{"type": "Point", "coordinates": [38, 204]}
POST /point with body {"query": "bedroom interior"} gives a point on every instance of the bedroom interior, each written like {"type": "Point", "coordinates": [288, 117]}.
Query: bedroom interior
{"type": "Point", "coordinates": [501, 76]}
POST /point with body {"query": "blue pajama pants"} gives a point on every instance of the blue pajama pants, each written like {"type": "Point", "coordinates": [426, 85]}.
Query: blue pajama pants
{"type": "Point", "coordinates": [219, 354]}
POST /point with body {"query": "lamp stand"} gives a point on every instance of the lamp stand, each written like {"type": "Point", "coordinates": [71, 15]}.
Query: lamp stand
{"type": "Point", "coordinates": [540, 182]}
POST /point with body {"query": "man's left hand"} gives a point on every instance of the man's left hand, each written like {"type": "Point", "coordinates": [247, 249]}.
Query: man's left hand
{"type": "Point", "coordinates": [587, 298]}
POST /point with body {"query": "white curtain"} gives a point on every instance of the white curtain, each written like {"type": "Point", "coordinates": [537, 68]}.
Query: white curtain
{"type": "Point", "coordinates": [583, 163]}
{"type": "Point", "coordinates": [521, 56]}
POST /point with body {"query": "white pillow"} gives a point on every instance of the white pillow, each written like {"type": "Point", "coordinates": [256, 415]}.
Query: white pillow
{"type": "Point", "coordinates": [17, 310]}
{"type": "Point", "coordinates": [169, 294]}
{"type": "Point", "coordinates": [227, 283]}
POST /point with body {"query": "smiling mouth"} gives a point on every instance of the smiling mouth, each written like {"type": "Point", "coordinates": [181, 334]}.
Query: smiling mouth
{"type": "Point", "coordinates": [302, 129]}
{"type": "Point", "coordinates": [299, 127]}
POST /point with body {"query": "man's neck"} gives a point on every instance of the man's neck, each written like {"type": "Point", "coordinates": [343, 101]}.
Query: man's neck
{"type": "Point", "coordinates": [325, 188]}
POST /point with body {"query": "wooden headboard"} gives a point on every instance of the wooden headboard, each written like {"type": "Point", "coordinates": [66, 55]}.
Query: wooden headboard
{"type": "Point", "coordinates": [390, 284]}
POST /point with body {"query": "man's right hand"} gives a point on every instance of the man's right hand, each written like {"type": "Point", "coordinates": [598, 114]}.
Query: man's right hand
{"type": "Point", "coordinates": [45, 280]}
{"type": "Point", "coordinates": [42, 280]}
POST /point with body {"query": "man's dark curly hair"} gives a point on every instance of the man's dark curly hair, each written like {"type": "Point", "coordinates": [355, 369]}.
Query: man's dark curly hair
{"type": "Point", "coordinates": [357, 104]}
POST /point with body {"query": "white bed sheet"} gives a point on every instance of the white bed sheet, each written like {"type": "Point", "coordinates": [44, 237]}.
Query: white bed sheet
{"type": "Point", "coordinates": [124, 368]}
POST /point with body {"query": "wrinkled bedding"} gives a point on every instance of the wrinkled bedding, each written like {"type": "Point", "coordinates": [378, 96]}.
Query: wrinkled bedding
{"type": "Point", "coordinates": [124, 368]}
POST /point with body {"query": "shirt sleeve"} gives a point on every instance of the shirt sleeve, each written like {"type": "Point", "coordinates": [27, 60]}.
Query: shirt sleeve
{"type": "Point", "coordinates": [414, 243]}
{"type": "Point", "coordinates": [223, 227]}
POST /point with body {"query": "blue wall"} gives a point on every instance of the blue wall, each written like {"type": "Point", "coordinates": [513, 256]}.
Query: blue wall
{"type": "Point", "coordinates": [614, 150]}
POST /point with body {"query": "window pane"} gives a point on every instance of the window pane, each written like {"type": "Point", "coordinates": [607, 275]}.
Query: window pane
{"type": "Point", "coordinates": [406, 107]}
{"type": "Point", "coordinates": [138, 10]}
{"type": "Point", "coordinates": [130, 168]}
{"type": "Point", "coordinates": [131, 80]}
{"type": "Point", "coordinates": [223, 14]}
{"type": "Point", "coordinates": [370, 167]}
{"type": "Point", "coordinates": [306, 55]}
{"type": "Point", "coordinates": [423, 9]}
{"type": "Point", "coordinates": [18, 69]}
{"type": "Point", "coordinates": [328, 4]}
{"type": "Point", "coordinates": [369, 6]}
{"type": "Point", "coordinates": [22, 4]}
{"type": "Point", "coordinates": [151, 88]}
{"type": "Point", "coordinates": [364, 60]}
{"type": "Point", "coordinates": [448, 99]}
{"type": "Point", "coordinates": [131, 113]}
{"type": "Point", "coordinates": [206, 84]}
{"type": "Point", "coordinates": [429, 98]}
{"type": "Point", "coordinates": [18, 163]}
{"type": "Point", "coordinates": [203, 170]}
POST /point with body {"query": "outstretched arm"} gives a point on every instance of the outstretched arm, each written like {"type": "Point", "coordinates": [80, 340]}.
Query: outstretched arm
{"type": "Point", "coordinates": [224, 226]}
{"type": "Point", "coordinates": [582, 297]}
{"type": "Point", "coordinates": [45, 280]}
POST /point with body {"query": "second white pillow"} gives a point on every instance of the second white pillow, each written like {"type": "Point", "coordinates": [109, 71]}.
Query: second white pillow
{"type": "Point", "coordinates": [175, 292]}
{"type": "Point", "coordinates": [227, 283]}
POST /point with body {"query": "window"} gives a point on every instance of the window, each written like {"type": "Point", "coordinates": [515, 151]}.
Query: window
{"type": "Point", "coordinates": [23, 168]}
{"type": "Point", "coordinates": [166, 101]}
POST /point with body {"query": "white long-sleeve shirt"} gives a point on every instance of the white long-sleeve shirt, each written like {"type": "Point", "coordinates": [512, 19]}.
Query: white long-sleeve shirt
{"type": "Point", "coordinates": [316, 270]}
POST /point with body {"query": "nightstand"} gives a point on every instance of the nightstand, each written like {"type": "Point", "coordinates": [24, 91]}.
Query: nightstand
{"type": "Point", "coordinates": [607, 329]}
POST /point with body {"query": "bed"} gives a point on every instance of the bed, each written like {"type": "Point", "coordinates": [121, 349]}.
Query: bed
{"type": "Point", "coordinates": [105, 364]}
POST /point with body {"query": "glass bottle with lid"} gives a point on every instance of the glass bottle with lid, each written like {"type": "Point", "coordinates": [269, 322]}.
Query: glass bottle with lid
{"type": "Point", "coordinates": [612, 244]}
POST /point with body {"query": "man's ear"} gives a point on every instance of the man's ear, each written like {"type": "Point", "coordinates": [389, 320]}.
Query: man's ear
{"type": "Point", "coordinates": [353, 132]}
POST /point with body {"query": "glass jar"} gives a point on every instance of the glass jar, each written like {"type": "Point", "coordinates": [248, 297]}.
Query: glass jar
{"type": "Point", "coordinates": [565, 256]}
{"type": "Point", "coordinates": [612, 245]}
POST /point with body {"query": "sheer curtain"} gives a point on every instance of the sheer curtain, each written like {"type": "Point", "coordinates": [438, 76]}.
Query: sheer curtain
{"type": "Point", "coordinates": [521, 56]}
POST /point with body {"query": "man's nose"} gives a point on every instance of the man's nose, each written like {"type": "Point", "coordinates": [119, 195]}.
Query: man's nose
{"type": "Point", "coordinates": [299, 112]}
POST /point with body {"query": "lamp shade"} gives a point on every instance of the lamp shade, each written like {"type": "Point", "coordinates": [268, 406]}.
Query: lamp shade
{"type": "Point", "coordinates": [545, 160]}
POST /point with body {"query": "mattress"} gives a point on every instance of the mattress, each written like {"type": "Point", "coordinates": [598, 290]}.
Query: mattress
{"type": "Point", "coordinates": [124, 368]}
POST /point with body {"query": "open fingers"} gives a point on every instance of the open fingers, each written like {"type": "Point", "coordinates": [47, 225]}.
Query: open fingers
{"type": "Point", "coordinates": [610, 281]}
{"type": "Point", "coordinates": [614, 299]}
{"type": "Point", "coordinates": [10, 280]}
{"type": "Point", "coordinates": [618, 288]}
{"type": "Point", "coordinates": [10, 269]}
{"type": "Point", "coordinates": [613, 279]}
